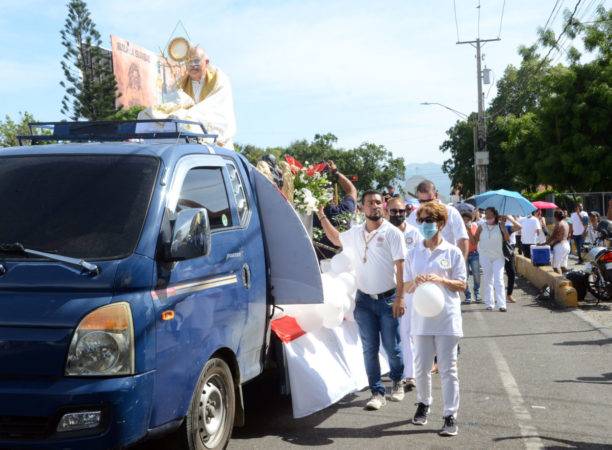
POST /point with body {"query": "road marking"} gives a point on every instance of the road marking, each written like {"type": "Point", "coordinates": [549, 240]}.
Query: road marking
{"type": "Point", "coordinates": [529, 432]}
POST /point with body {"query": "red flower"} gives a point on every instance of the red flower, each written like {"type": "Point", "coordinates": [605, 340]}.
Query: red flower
{"type": "Point", "coordinates": [294, 164]}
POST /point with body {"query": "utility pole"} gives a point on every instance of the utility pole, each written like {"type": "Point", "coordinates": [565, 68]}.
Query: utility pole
{"type": "Point", "coordinates": [481, 155]}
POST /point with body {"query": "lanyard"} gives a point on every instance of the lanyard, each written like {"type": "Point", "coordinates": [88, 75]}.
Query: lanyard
{"type": "Point", "coordinates": [367, 242]}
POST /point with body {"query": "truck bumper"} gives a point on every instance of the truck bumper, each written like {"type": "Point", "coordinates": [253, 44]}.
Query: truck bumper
{"type": "Point", "coordinates": [30, 411]}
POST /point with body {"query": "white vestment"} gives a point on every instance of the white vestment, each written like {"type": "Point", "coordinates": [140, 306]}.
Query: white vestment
{"type": "Point", "coordinates": [215, 111]}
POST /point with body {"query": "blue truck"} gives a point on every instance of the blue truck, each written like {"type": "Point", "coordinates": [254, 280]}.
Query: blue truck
{"type": "Point", "coordinates": [138, 276]}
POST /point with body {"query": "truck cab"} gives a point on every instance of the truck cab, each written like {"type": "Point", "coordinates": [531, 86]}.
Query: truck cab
{"type": "Point", "coordinates": [137, 280]}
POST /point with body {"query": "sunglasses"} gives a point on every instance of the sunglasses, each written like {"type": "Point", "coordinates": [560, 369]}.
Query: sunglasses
{"type": "Point", "coordinates": [426, 220]}
{"type": "Point", "coordinates": [397, 212]}
{"type": "Point", "coordinates": [426, 201]}
{"type": "Point", "coordinates": [195, 62]}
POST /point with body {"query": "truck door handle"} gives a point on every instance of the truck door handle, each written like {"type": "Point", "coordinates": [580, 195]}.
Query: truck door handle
{"type": "Point", "coordinates": [246, 276]}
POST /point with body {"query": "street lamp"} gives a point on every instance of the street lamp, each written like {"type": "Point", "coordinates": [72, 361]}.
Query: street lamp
{"type": "Point", "coordinates": [459, 113]}
{"type": "Point", "coordinates": [475, 137]}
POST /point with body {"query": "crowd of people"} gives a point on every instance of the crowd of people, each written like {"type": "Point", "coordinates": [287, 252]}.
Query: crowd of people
{"type": "Point", "coordinates": [401, 246]}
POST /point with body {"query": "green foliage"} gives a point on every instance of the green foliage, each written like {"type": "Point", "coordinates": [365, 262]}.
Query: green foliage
{"type": "Point", "coordinates": [547, 125]}
{"type": "Point", "coordinates": [373, 164]}
{"type": "Point", "coordinates": [10, 129]}
{"type": "Point", "coordinates": [91, 88]}
{"type": "Point", "coordinates": [125, 114]}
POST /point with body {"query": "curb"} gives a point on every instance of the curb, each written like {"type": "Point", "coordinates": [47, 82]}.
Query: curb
{"type": "Point", "coordinates": [606, 331]}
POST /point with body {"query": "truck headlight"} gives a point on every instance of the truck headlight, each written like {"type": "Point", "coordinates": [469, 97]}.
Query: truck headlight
{"type": "Point", "coordinates": [103, 343]}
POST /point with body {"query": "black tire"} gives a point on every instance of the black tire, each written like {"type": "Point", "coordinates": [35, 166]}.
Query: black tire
{"type": "Point", "coordinates": [217, 385]}
{"type": "Point", "coordinates": [598, 288]}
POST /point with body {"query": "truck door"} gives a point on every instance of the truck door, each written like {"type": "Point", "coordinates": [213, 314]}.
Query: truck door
{"type": "Point", "coordinates": [205, 293]}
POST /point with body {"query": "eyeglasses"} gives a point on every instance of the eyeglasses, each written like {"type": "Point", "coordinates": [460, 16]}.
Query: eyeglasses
{"type": "Point", "coordinates": [426, 220]}
{"type": "Point", "coordinates": [397, 212]}
{"type": "Point", "coordinates": [196, 62]}
{"type": "Point", "coordinates": [427, 200]}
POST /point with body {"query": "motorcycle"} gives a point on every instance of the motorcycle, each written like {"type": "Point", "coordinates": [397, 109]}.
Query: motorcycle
{"type": "Point", "coordinates": [600, 258]}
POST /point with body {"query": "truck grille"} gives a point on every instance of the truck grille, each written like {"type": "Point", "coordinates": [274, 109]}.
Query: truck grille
{"type": "Point", "coordinates": [20, 427]}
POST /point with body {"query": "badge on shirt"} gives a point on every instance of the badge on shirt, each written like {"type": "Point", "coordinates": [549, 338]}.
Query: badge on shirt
{"type": "Point", "coordinates": [445, 263]}
{"type": "Point", "coordinates": [379, 241]}
{"type": "Point", "coordinates": [409, 240]}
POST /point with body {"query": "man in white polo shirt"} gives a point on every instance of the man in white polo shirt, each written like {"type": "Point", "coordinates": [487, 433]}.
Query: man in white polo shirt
{"type": "Point", "coordinates": [454, 231]}
{"type": "Point", "coordinates": [396, 209]}
{"type": "Point", "coordinates": [379, 267]}
{"type": "Point", "coordinates": [579, 220]}
{"type": "Point", "coordinates": [530, 231]}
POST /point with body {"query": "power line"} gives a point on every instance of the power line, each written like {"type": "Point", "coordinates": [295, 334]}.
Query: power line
{"type": "Point", "coordinates": [551, 13]}
{"type": "Point", "coordinates": [569, 21]}
{"type": "Point", "coordinates": [501, 19]}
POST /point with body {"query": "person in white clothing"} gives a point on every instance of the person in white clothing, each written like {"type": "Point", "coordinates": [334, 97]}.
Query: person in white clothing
{"type": "Point", "coordinates": [530, 234]}
{"type": "Point", "coordinates": [559, 243]}
{"type": "Point", "coordinates": [490, 238]}
{"type": "Point", "coordinates": [454, 231]}
{"type": "Point", "coordinates": [379, 303]}
{"type": "Point", "coordinates": [396, 209]}
{"type": "Point", "coordinates": [435, 260]}
{"type": "Point", "coordinates": [579, 221]}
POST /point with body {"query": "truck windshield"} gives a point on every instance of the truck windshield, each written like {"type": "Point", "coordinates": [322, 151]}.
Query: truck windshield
{"type": "Point", "coordinates": [83, 206]}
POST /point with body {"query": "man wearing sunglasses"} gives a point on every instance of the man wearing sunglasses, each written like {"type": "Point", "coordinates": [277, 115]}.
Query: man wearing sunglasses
{"type": "Point", "coordinates": [203, 95]}
{"type": "Point", "coordinates": [454, 231]}
{"type": "Point", "coordinates": [397, 210]}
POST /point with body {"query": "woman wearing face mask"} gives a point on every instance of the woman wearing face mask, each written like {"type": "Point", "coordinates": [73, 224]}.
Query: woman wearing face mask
{"type": "Point", "coordinates": [490, 237]}
{"type": "Point", "coordinates": [436, 261]}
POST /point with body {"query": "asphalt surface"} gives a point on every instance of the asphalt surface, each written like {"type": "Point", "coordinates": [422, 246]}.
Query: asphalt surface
{"type": "Point", "coordinates": [530, 378]}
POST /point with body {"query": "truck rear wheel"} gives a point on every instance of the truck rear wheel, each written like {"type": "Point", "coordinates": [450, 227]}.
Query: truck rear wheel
{"type": "Point", "coordinates": [210, 419]}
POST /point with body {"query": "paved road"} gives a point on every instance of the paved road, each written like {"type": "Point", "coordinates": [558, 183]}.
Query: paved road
{"type": "Point", "coordinates": [530, 378]}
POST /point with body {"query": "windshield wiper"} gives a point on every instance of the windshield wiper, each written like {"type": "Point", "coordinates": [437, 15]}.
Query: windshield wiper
{"type": "Point", "coordinates": [18, 249]}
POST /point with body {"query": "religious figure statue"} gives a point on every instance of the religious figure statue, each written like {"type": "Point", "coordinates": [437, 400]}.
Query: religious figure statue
{"type": "Point", "coordinates": [203, 95]}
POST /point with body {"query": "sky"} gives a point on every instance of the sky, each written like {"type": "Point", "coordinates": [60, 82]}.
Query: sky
{"type": "Point", "coordinates": [357, 69]}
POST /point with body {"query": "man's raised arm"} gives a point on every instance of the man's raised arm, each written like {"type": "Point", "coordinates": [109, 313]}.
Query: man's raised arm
{"type": "Point", "coordinates": [347, 186]}
{"type": "Point", "coordinates": [330, 231]}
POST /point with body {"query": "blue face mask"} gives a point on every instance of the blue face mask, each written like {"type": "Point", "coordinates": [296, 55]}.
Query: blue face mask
{"type": "Point", "coordinates": [428, 230]}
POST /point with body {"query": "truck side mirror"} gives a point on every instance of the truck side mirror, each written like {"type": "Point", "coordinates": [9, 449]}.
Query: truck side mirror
{"type": "Point", "coordinates": [190, 234]}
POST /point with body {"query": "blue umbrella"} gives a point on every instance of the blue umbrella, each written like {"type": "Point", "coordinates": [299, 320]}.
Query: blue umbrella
{"type": "Point", "coordinates": [505, 202]}
{"type": "Point", "coordinates": [463, 207]}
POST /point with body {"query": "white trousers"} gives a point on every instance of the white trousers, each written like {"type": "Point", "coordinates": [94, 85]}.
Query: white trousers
{"type": "Point", "coordinates": [445, 348]}
{"type": "Point", "coordinates": [492, 286]}
{"type": "Point", "coordinates": [560, 255]}
{"type": "Point", "coordinates": [406, 340]}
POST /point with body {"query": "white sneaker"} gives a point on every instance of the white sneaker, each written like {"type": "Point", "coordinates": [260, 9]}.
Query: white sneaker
{"type": "Point", "coordinates": [397, 393]}
{"type": "Point", "coordinates": [376, 402]}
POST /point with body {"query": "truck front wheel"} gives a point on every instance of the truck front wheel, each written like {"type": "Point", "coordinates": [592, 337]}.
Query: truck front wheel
{"type": "Point", "coordinates": [210, 419]}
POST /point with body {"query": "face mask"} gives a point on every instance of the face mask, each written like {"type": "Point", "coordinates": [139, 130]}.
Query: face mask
{"type": "Point", "coordinates": [491, 221]}
{"type": "Point", "coordinates": [397, 220]}
{"type": "Point", "coordinates": [428, 230]}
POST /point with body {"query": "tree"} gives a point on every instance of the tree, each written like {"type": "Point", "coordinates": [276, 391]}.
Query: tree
{"type": "Point", "coordinates": [91, 88]}
{"type": "Point", "coordinates": [372, 164]}
{"type": "Point", "coordinates": [9, 129]}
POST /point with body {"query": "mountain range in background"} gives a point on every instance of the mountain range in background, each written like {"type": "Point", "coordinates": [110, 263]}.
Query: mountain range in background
{"type": "Point", "coordinates": [417, 172]}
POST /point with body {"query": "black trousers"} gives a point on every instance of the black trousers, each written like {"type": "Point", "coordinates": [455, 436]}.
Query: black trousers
{"type": "Point", "coordinates": [526, 250]}
{"type": "Point", "coordinates": [511, 272]}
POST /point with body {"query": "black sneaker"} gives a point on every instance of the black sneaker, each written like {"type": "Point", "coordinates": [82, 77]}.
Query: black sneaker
{"type": "Point", "coordinates": [450, 427]}
{"type": "Point", "coordinates": [420, 416]}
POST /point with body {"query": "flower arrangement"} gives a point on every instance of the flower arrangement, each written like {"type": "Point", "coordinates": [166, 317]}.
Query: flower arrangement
{"type": "Point", "coordinates": [312, 188]}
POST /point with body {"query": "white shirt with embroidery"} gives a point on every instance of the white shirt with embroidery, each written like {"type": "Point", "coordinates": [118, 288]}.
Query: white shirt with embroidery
{"type": "Point", "coordinates": [447, 261]}
{"type": "Point", "coordinates": [385, 246]}
{"type": "Point", "coordinates": [453, 231]}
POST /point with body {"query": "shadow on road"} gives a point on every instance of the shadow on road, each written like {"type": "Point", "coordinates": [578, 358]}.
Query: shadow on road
{"type": "Point", "coordinates": [592, 342]}
{"type": "Point", "coordinates": [567, 443]}
{"type": "Point", "coordinates": [606, 378]}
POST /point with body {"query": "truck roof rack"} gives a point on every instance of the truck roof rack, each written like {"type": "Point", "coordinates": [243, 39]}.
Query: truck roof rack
{"type": "Point", "coordinates": [112, 130]}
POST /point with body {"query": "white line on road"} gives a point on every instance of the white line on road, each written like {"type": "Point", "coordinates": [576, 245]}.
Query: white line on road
{"type": "Point", "coordinates": [529, 432]}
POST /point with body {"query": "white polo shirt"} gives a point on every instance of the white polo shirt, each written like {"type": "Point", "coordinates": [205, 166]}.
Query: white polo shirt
{"type": "Point", "coordinates": [412, 236]}
{"type": "Point", "coordinates": [577, 225]}
{"type": "Point", "coordinates": [446, 260]}
{"type": "Point", "coordinates": [385, 246]}
{"type": "Point", "coordinates": [453, 231]}
{"type": "Point", "coordinates": [529, 231]}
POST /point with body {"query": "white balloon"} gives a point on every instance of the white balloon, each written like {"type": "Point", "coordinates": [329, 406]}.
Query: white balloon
{"type": "Point", "coordinates": [341, 263]}
{"type": "Point", "coordinates": [332, 316]}
{"type": "Point", "coordinates": [325, 265]}
{"type": "Point", "coordinates": [310, 318]}
{"type": "Point", "coordinates": [349, 281]}
{"type": "Point", "coordinates": [428, 300]}
{"type": "Point", "coordinates": [333, 290]}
